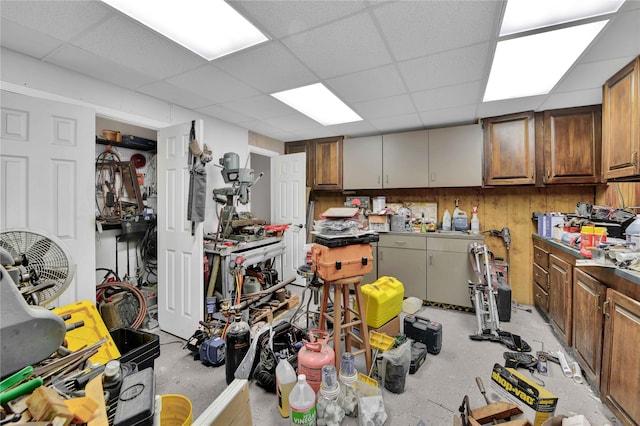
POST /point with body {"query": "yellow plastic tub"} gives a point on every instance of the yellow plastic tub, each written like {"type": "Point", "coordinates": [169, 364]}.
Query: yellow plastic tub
{"type": "Point", "coordinates": [176, 410]}
{"type": "Point", "coordinates": [382, 300]}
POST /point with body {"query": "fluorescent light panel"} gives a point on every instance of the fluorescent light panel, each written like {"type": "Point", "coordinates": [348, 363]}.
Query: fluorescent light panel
{"type": "Point", "coordinates": [209, 28]}
{"type": "Point", "coordinates": [525, 15]}
{"type": "Point", "coordinates": [532, 65]}
{"type": "Point", "coordinates": [318, 103]}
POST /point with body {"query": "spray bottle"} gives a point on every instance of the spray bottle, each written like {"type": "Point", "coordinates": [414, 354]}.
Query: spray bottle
{"type": "Point", "coordinates": [475, 222]}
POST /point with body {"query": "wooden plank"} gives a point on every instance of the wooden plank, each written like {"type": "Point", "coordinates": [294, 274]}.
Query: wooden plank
{"type": "Point", "coordinates": [231, 408]}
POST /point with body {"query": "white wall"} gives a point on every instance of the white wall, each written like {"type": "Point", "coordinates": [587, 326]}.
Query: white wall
{"type": "Point", "coordinates": [29, 76]}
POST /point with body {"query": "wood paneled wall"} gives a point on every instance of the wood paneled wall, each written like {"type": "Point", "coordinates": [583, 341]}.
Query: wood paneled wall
{"type": "Point", "coordinates": [619, 195]}
{"type": "Point", "coordinates": [510, 207]}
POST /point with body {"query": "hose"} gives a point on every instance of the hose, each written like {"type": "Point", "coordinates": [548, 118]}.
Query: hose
{"type": "Point", "coordinates": [142, 313]}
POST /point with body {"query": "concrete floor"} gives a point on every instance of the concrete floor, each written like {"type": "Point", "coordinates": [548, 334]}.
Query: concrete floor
{"type": "Point", "coordinates": [432, 395]}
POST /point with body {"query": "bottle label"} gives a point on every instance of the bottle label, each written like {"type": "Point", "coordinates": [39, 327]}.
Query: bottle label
{"type": "Point", "coordinates": [303, 416]}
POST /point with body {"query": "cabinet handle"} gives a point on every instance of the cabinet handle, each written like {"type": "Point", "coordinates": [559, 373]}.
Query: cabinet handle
{"type": "Point", "coordinates": [387, 178]}
{"type": "Point", "coordinates": [605, 308]}
{"type": "Point", "coordinates": [401, 243]}
{"type": "Point", "coordinates": [430, 260]}
{"type": "Point", "coordinates": [538, 296]}
{"type": "Point", "coordinates": [548, 172]}
{"type": "Point", "coordinates": [634, 158]}
{"type": "Point", "coordinates": [537, 275]}
{"type": "Point", "coordinates": [433, 177]}
{"type": "Point", "coordinates": [380, 256]}
{"type": "Point", "coordinates": [379, 179]}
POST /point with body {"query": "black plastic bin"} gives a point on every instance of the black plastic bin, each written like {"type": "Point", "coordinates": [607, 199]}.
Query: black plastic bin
{"type": "Point", "coordinates": [136, 346]}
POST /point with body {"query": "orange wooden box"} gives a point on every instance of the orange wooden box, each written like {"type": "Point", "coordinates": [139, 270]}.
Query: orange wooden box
{"type": "Point", "coordinates": [334, 263]}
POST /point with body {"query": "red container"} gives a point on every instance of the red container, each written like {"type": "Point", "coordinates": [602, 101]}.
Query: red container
{"type": "Point", "coordinates": [314, 355]}
{"type": "Point", "coordinates": [334, 263]}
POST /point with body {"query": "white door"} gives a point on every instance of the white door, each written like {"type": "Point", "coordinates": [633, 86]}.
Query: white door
{"type": "Point", "coordinates": [180, 254]}
{"type": "Point", "coordinates": [47, 161]}
{"type": "Point", "coordinates": [288, 188]}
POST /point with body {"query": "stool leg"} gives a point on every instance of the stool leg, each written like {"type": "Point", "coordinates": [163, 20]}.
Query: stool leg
{"type": "Point", "coordinates": [337, 323]}
{"type": "Point", "coordinates": [347, 319]}
{"type": "Point", "coordinates": [323, 306]}
{"type": "Point", "coordinates": [363, 326]}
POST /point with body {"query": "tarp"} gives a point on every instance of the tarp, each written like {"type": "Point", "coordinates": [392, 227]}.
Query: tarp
{"type": "Point", "coordinates": [197, 181]}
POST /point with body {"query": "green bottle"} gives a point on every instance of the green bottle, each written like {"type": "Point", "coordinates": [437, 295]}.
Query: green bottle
{"type": "Point", "coordinates": [423, 227]}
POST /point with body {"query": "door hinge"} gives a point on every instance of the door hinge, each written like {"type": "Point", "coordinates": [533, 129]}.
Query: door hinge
{"type": "Point", "coordinates": [634, 158]}
{"type": "Point", "coordinates": [597, 300]}
{"type": "Point", "coordinates": [605, 308]}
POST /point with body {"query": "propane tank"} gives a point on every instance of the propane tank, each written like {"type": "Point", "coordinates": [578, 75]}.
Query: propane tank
{"type": "Point", "coordinates": [314, 355]}
{"type": "Point", "coordinates": [238, 339]}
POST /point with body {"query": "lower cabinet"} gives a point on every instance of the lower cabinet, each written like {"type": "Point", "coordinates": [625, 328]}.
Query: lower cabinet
{"type": "Point", "coordinates": [620, 381]}
{"type": "Point", "coordinates": [560, 295]}
{"type": "Point", "coordinates": [449, 271]}
{"type": "Point", "coordinates": [588, 321]}
{"type": "Point", "coordinates": [405, 258]}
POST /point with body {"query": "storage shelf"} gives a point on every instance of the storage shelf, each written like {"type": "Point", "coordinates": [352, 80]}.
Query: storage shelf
{"type": "Point", "coordinates": [138, 147]}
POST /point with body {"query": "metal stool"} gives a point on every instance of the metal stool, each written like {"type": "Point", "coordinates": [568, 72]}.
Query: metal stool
{"type": "Point", "coordinates": [344, 326]}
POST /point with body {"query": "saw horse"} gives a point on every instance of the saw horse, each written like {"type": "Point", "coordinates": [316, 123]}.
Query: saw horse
{"type": "Point", "coordinates": [483, 295]}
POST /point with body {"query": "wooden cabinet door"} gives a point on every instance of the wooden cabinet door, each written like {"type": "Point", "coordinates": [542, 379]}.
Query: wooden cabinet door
{"type": "Point", "coordinates": [362, 163]}
{"type": "Point", "coordinates": [509, 149]}
{"type": "Point", "coordinates": [405, 160]}
{"type": "Point", "coordinates": [588, 323]}
{"type": "Point", "coordinates": [455, 156]}
{"type": "Point", "coordinates": [572, 145]}
{"type": "Point", "coordinates": [560, 283]}
{"type": "Point", "coordinates": [306, 147]}
{"type": "Point", "coordinates": [328, 163]}
{"type": "Point", "coordinates": [620, 382]}
{"type": "Point", "coordinates": [620, 122]}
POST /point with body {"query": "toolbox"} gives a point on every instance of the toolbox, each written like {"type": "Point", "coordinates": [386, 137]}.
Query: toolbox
{"type": "Point", "coordinates": [382, 300]}
{"type": "Point", "coordinates": [418, 355]}
{"type": "Point", "coordinates": [136, 346]}
{"type": "Point", "coordinates": [136, 404]}
{"type": "Point", "coordinates": [334, 263]}
{"type": "Point", "coordinates": [424, 331]}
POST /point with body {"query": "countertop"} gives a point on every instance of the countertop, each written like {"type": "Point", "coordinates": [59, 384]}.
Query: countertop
{"type": "Point", "coordinates": [439, 234]}
{"type": "Point", "coordinates": [583, 262]}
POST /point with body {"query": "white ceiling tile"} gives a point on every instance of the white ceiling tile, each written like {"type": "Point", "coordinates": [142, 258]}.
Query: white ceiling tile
{"type": "Point", "coordinates": [280, 18]}
{"type": "Point", "coordinates": [294, 122]}
{"type": "Point", "coordinates": [590, 75]}
{"type": "Point", "coordinates": [268, 67]}
{"type": "Point", "coordinates": [447, 68]}
{"type": "Point", "coordinates": [448, 97]}
{"type": "Point", "coordinates": [261, 127]}
{"type": "Point", "coordinates": [397, 123]}
{"type": "Point", "coordinates": [508, 106]}
{"type": "Point", "coordinates": [22, 39]}
{"type": "Point", "coordinates": [260, 107]}
{"type": "Point", "coordinates": [361, 86]}
{"type": "Point", "coordinates": [98, 67]}
{"type": "Point", "coordinates": [60, 19]}
{"type": "Point", "coordinates": [449, 116]}
{"type": "Point", "coordinates": [213, 84]}
{"type": "Point", "coordinates": [383, 107]}
{"type": "Point", "coordinates": [572, 99]}
{"type": "Point", "coordinates": [173, 94]}
{"type": "Point", "coordinates": [418, 28]}
{"type": "Point", "coordinates": [354, 128]}
{"type": "Point", "coordinates": [620, 38]}
{"type": "Point", "coordinates": [224, 114]}
{"type": "Point", "coordinates": [343, 47]}
{"type": "Point", "coordinates": [125, 41]}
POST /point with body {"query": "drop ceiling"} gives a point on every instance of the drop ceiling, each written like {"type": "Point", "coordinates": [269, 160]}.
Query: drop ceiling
{"type": "Point", "coordinates": [401, 65]}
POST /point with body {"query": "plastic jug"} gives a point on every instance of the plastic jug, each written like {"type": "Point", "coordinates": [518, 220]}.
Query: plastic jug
{"type": "Point", "coordinates": [446, 220]}
{"type": "Point", "coordinates": [285, 381]}
{"type": "Point", "coordinates": [302, 401]}
{"type": "Point", "coordinates": [460, 221]}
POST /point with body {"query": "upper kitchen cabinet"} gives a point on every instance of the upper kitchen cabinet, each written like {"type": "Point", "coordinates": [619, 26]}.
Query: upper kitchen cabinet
{"type": "Point", "coordinates": [324, 161]}
{"type": "Point", "coordinates": [405, 161]}
{"type": "Point", "coordinates": [572, 145]}
{"type": "Point", "coordinates": [455, 156]}
{"type": "Point", "coordinates": [621, 123]}
{"type": "Point", "coordinates": [362, 163]}
{"type": "Point", "coordinates": [509, 149]}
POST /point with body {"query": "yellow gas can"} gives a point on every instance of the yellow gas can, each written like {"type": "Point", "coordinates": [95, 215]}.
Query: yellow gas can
{"type": "Point", "coordinates": [382, 300]}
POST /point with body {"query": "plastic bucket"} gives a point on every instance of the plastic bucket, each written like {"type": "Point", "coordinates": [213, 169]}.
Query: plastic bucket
{"type": "Point", "coordinates": [176, 410]}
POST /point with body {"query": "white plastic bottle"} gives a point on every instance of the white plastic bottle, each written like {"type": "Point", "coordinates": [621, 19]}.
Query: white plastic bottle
{"type": "Point", "coordinates": [475, 222]}
{"type": "Point", "coordinates": [302, 401]}
{"type": "Point", "coordinates": [285, 381]}
{"type": "Point", "coordinates": [446, 220]}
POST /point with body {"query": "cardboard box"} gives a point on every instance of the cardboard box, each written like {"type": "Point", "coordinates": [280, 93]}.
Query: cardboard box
{"type": "Point", "coordinates": [378, 223]}
{"type": "Point", "coordinates": [391, 328]}
{"type": "Point", "coordinates": [537, 403]}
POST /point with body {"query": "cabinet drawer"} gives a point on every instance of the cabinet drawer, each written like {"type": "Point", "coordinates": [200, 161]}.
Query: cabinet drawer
{"type": "Point", "coordinates": [540, 276]}
{"type": "Point", "coordinates": [455, 245]}
{"type": "Point", "coordinates": [541, 299]}
{"type": "Point", "coordinates": [541, 257]}
{"type": "Point", "coordinates": [403, 241]}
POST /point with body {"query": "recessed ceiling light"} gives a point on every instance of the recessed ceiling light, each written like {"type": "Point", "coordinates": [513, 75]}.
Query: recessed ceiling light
{"type": "Point", "coordinates": [209, 28]}
{"type": "Point", "coordinates": [525, 15]}
{"type": "Point", "coordinates": [318, 103]}
{"type": "Point", "coordinates": [532, 65]}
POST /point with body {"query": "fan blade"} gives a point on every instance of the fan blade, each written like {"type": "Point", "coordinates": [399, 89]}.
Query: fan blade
{"type": "Point", "coordinates": [59, 274]}
{"type": "Point", "coordinates": [39, 249]}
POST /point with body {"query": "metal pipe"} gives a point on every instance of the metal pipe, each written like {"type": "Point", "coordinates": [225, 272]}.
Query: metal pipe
{"type": "Point", "coordinates": [254, 297]}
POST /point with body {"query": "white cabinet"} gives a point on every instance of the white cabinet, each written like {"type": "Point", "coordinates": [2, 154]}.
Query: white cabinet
{"type": "Point", "coordinates": [405, 161]}
{"type": "Point", "coordinates": [404, 256]}
{"type": "Point", "coordinates": [362, 163]}
{"type": "Point", "coordinates": [455, 156]}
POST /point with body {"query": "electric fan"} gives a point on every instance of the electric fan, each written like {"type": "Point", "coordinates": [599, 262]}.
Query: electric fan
{"type": "Point", "coordinates": [42, 267]}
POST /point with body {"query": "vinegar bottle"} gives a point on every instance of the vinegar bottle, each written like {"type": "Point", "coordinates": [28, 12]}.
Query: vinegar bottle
{"type": "Point", "coordinates": [285, 381]}
{"type": "Point", "coordinates": [302, 401]}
